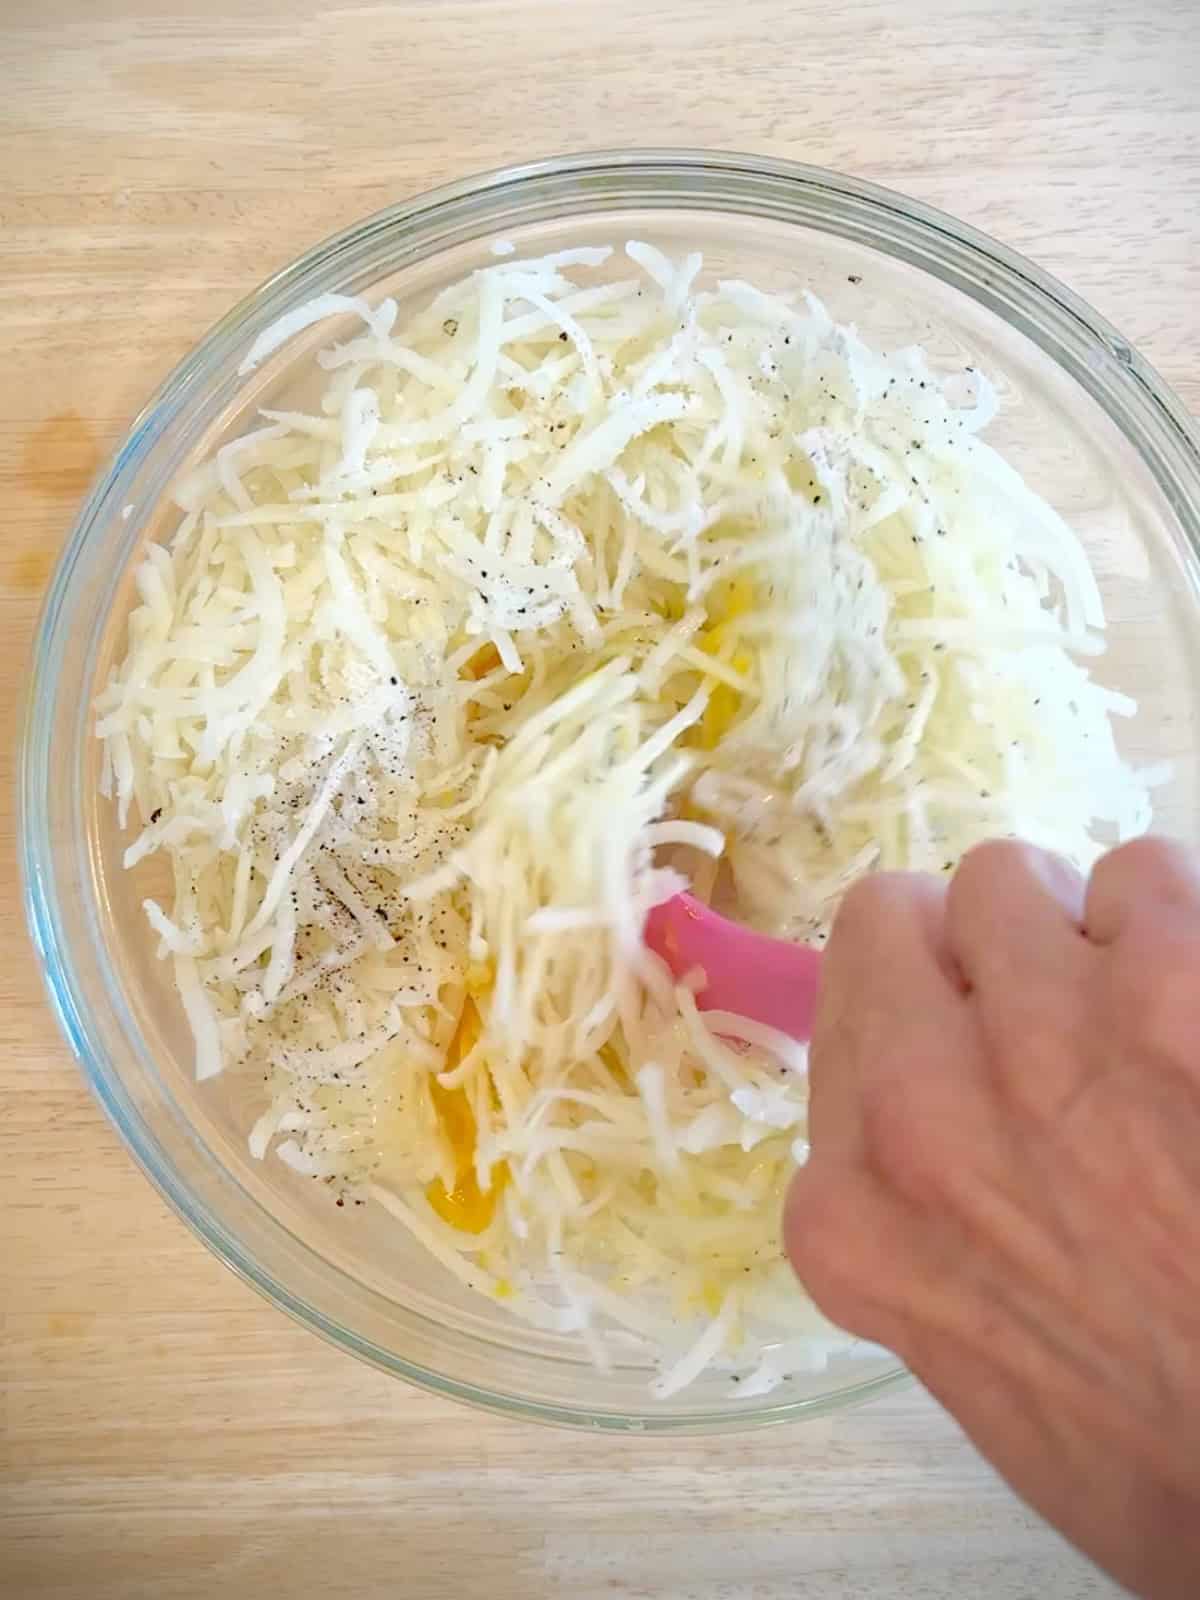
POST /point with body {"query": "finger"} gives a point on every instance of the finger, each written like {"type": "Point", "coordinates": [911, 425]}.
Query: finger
{"type": "Point", "coordinates": [886, 976]}
{"type": "Point", "coordinates": [1013, 910]}
{"type": "Point", "coordinates": [874, 1263]}
{"type": "Point", "coordinates": [890, 931]}
{"type": "Point", "coordinates": [1014, 919]}
{"type": "Point", "coordinates": [1134, 879]}
{"type": "Point", "coordinates": [855, 1251]}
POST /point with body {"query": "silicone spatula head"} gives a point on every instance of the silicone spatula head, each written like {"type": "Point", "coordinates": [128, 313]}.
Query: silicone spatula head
{"type": "Point", "coordinates": [750, 974]}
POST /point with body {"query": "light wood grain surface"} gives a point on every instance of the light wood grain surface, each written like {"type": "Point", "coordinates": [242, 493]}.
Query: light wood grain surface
{"type": "Point", "coordinates": [165, 1433]}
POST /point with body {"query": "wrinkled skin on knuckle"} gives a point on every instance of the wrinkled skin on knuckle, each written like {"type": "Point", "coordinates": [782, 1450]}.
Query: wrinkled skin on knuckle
{"type": "Point", "coordinates": [1039, 1059]}
{"type": "Point", "coordinates": [1129, 1143]}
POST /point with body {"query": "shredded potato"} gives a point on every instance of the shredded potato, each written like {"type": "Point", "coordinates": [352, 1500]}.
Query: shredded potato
{"type": "Point", "coordinates": [586, 584]}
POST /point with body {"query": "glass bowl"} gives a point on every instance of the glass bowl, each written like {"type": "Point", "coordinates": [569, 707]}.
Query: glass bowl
{"type": "Point", "coordinates": [1083, 418]}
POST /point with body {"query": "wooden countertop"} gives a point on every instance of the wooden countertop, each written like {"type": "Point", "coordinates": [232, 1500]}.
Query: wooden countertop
{"type": "Point", "coordinates": [164, 1432]}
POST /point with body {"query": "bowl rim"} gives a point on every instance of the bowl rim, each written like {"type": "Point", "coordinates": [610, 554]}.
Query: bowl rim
{"type": "Point", "coordinates": [1076, 338]}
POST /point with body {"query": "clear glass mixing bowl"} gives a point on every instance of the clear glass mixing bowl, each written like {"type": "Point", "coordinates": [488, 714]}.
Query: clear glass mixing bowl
{"type": "Point", "coordinates": [1083, 418]}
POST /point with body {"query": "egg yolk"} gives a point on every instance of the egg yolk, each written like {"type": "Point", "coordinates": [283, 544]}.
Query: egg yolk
{"type": "Point", "coordinates": [730, 600]}
{"type": "Point", "coordinates": [465, 1205]}
{"type": "Point", "coordinates": [486, 659]}
{"type": "Point", "coordinates": [615, 1065]}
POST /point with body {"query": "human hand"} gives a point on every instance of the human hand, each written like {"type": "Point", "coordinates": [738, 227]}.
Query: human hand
{"type": "Point", "coordinates": [1004, 1185]}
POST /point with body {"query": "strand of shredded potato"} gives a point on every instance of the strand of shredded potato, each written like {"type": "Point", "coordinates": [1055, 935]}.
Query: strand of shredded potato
{"type": "Point", "coordinates": [584, 583]}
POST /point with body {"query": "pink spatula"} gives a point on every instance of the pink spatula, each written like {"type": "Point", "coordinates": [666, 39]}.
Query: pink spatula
{"type": "Point", "coordinates": [767, 980]}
